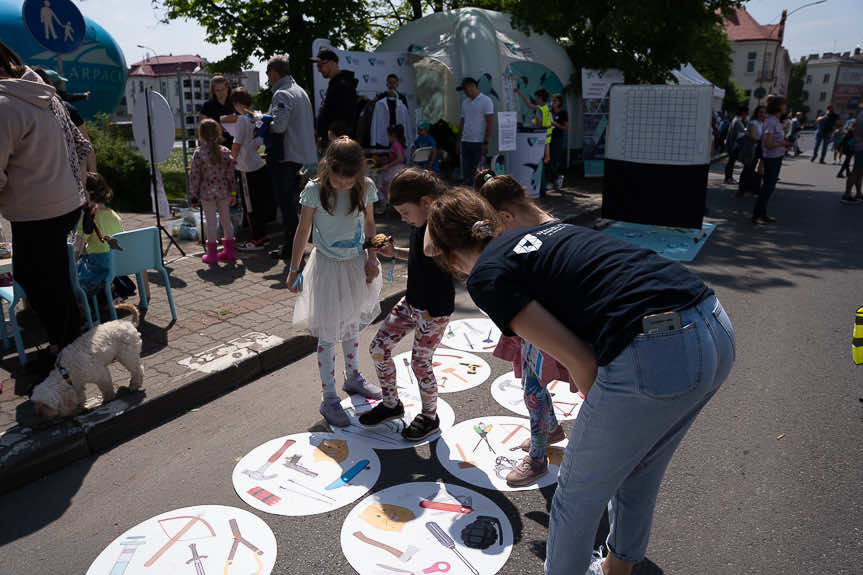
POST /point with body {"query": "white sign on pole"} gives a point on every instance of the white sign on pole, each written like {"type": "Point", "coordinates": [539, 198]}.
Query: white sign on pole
{"type": "Point", "coordinates": [507, 124]}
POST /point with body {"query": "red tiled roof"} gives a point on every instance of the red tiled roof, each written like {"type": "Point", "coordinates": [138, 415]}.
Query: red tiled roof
{"type": "Point", "coordinates": [182, 59]}
{"type": "Point", "coordinates": [166, 65]}
{"type": "Point", "coordinates": [740, 25]}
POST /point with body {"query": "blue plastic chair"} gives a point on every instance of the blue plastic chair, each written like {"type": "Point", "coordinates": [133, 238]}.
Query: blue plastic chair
{"type": "Point", "coordinates": [141, 252]}
{"type": "Point", "coordinates": [78, 290]}
{"type": "Point", "coordinates": [12, 295]}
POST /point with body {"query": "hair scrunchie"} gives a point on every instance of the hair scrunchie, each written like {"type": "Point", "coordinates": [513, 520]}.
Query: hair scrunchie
{"type": "Point", "coordinates": [487, 177]}
{"type": "Point", "coordinates": [482, 228]}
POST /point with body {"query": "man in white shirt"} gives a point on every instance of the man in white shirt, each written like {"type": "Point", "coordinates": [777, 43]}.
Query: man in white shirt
{"type": "Point", "coordinates": [474, 128]}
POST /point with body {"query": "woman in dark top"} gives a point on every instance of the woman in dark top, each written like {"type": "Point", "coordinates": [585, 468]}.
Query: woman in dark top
{"type": "Point", "coordinates": [219, 105]}
{"type": "Point", "coordinates": [644, 339]}
{"type": "Point", "coordinates": [750, 179]}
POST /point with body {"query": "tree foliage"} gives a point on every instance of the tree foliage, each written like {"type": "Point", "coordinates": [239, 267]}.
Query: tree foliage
{"type": "Point", "coordinates": [797, 96]}
{"type": "Point", "coordinates": [646, 39]}
{"type": "Point", "coordinates": [263, 28]}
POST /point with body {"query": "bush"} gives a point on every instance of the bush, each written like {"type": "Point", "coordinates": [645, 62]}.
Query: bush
{"type": "Point", "coordinates": [124, 169]}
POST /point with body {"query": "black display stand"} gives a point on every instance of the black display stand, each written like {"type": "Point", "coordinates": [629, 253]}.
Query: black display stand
{"type": "Point", "coordinates": [656, 194]}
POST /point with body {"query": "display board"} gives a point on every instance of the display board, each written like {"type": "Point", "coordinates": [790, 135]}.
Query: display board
{"type": "Point", "coordinates": [667, 125]}
{"type": "Point", "coordinates": [657, 155]}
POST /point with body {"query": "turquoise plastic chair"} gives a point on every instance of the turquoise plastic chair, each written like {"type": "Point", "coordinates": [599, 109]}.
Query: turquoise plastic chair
{"type": "Point", "coordinates": [78, 290]}
{"type": "Point", "coordinates": [12, 295]}
{"type": "Point", "coordinates": [141, 252]}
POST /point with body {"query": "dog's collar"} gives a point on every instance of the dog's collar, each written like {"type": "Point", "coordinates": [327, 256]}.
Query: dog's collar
{"type": "Point", "coordinates": [62, 371]}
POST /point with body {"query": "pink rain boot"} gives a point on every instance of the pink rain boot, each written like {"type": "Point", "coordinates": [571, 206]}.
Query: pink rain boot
{"type": "Point", "coordinates": [210, 257]}
{"type": "Point", "coordinates": [227, 254]}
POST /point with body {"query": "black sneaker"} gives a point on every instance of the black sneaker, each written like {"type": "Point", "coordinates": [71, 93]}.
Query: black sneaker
{"type": "Point", "coordinates": [421, 427]}
{"type": "Point", "coordinates": [381, 413]}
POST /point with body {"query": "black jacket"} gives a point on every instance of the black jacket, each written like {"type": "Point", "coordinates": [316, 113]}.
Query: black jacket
{"type": "Point", "coordinates": [340, 103]}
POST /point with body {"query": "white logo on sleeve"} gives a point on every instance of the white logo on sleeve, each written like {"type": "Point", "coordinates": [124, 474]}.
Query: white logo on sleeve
{"type": "Point", "coordinates": [529, 243]}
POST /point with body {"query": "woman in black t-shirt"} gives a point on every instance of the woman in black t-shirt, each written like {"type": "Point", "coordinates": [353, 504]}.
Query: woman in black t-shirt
{"type": "Point", "coordinates": [644, 339]}
{"type": "Point", "coordinates": [219, 105]}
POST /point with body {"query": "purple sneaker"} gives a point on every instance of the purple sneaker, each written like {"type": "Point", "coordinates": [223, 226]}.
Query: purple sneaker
{"type": "Point", "coordinates": [359, 385]}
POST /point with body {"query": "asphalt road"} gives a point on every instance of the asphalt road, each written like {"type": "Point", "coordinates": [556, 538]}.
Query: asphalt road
{"type": "Point", "coordinates": [767, 481]}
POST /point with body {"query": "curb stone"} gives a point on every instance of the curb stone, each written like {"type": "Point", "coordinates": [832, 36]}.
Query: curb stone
{"type": "Point", "coordinates": [27, 454]}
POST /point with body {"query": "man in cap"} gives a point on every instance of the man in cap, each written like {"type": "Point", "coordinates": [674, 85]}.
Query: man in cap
{"type": "Point", "coordinates": [474, 128]}
{"type": "Point", "coordinates": [340, 101]}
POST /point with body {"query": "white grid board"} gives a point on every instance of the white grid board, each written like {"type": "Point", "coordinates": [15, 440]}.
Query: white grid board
{"type": "Point", "coordinates": [660, 124]}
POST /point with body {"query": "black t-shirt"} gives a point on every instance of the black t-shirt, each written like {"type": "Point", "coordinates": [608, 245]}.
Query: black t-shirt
{"type": "Point", "coordinates": [74, 115]}
{"type": "Point", "coordinates": [429, 287]}
{"type": "Point", "coordinates": [213, 109]}
{"type": "Point", "coordinates": [598, 286]}
{"type": "Point", "coordinates": [559, 118]}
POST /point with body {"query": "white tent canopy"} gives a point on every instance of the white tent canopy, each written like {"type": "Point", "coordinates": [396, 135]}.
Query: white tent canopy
{"type": "Point", "coordinates": [688, 76]}
{"type": "Point", "coordinates": [446, 46]}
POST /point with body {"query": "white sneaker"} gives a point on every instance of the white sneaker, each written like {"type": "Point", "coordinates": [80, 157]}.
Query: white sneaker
{"type": "Point", "coordinates": [249, 246]}
{"type": "Point", "coordinates": [559, 182]}
{"type": "Point", "coordinates": [595, 564]}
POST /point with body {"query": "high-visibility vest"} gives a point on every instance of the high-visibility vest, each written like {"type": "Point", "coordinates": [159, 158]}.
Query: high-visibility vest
{"type": "Point", "coordinates": [857, 341]}
{"type": "Point", "coordinates": [546, 121]}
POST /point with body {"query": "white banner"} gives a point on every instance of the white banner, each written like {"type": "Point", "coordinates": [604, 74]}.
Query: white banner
{"type": "Point", "coordinates": [371, 70]}
{"type": "Point", "coordinates": [595, 86]}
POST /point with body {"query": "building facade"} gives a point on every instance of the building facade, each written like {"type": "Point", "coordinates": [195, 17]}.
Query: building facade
{"type": "Point", "coordinates": [182, 81]}
{"type": "Point", "coordinates": [760, 64]}
{"type": "Point", "coordinates": [834, 78]}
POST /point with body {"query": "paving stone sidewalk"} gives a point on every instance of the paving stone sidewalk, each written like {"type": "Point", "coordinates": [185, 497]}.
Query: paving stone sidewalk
{"type": "Point", "coordinates": [234, 323]}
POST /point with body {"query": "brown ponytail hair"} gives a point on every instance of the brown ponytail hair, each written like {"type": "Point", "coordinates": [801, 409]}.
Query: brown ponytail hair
{"type": "Point", "coordinates": [344, 158]}
{"type": "Point", "coordinates": [461, 220]}
{"type": "Point", "coordinates": [210, 135]}
{"type": "Point", "coordinates": [505, 193]}
{"type": "Point", "coordinates": [98, 189]}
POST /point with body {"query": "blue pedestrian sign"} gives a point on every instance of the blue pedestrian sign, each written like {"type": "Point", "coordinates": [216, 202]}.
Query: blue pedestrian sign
{"type": "Point", "coordinates": [55, 24]}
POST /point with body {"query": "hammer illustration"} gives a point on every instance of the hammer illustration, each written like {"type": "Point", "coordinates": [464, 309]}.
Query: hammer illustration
{"type": "Point", "coordinates": [293, 462]}
{"type": "Point", "coordinates": [258, 474]}
{"type": "Point", "coordinates": [403, 556]}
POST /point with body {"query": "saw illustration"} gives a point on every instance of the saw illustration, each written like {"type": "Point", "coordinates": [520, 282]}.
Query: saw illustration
{"type": "Point", "coordinates": [192, 520]}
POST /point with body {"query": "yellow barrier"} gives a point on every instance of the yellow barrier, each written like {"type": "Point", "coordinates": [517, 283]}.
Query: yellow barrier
{"type": "Point", "coordinates": [857, 341]}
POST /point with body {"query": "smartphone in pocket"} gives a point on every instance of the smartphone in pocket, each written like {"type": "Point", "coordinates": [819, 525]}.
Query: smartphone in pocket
{"type": "Point", "coordinates": [659, 322]}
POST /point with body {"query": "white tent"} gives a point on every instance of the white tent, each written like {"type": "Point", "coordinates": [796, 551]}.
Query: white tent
{"type": "Point", "coordinates": [446, 46]}
{"type": "Point", "coordinates": [688, 76]}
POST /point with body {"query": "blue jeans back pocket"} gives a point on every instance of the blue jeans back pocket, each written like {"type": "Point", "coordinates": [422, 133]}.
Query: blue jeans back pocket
{"type": "Point", "coordinates": [669, 362]}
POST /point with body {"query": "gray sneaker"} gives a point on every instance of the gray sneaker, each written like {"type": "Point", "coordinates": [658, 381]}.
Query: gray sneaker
{"type": "Point", "coordinates": [360, 385]}
{"type": "Point", "coordinates": [334, 413]}
{"type": "Point", "coordinates": [527, 471]}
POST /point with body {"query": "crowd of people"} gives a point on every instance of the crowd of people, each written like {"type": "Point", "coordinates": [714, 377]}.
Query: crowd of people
{"type": "Point", "coordinates": [760, 140]}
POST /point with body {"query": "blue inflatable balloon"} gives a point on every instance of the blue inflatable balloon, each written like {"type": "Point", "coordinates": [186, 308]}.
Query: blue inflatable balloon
{"type": "Point", "coordinates": [97, 66]}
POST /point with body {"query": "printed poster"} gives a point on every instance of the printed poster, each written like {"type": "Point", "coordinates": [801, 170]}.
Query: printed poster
{"type": "Point", "coordinates": [595, 89]}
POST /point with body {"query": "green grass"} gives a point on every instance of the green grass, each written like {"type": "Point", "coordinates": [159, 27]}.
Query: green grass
{"type": "Point", "coordinates": [173, 175]}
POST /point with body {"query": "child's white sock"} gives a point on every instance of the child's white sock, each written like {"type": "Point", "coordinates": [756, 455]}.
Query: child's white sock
{"type": "Point", "coordinates": [327, 368]}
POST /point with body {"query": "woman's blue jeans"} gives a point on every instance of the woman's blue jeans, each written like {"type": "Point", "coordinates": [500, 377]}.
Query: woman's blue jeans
{"type": "Point", "coordinates": [632, 420]}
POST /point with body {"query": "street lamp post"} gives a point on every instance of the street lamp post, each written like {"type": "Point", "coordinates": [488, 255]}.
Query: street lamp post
{"type": "Point", "coordinates": [773, 74]}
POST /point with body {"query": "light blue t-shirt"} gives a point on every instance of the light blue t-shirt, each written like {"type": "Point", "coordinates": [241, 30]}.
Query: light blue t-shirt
{"type": "Point", "coordinates": [338, 236]}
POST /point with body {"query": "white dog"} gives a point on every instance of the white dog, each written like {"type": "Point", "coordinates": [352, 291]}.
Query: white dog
{"type": "Point", "coordinates": [86, 360]}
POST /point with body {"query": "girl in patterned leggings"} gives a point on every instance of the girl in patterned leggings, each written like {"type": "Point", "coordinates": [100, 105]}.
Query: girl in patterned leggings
{"type": "Point", "coordinates": [426, 307]}
{"type": "Point", "coordinates": [507, 197]}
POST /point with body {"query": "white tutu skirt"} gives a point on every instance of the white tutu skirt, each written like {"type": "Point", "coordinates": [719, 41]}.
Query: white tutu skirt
{"type": "Point", "coordinates": [336, 303]}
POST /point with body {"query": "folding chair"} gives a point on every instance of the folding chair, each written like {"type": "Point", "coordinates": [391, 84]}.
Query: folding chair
{"type": "Point", "coordinates": [421, 155]}
{"type": "Point", "coordinates": [78, 290]}
{"type": "Point", "coordinates": [141, 252]}
{"type": "Point", "coordinates": [12, 295]}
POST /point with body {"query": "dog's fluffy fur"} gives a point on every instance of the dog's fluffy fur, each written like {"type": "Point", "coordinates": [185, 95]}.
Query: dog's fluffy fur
{"type": "Point", "coordinates": [86, 360]}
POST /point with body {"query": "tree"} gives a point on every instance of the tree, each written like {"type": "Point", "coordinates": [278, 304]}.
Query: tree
{"type": "Point", "coordinates": [734, 96]}
{"type": "Point", "coordinates": [797, 96]}
{"type": "Point", "coordinates": [263, 28]}
{"type": "Point", "coordinates": [646, 39]}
